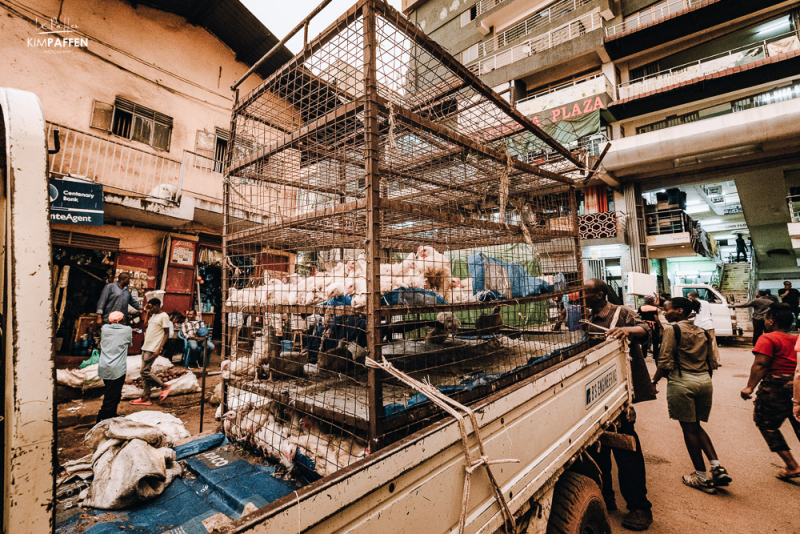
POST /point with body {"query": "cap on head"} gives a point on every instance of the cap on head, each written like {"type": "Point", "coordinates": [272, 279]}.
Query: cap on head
{"type": "Point", "coordinates": [115, 317]}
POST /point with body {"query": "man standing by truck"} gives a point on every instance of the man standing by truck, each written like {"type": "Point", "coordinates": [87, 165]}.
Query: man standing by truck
{"type": "Point", "coordinates": [620, 322]}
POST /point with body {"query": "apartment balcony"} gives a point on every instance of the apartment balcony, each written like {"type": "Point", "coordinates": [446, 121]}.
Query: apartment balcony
{"type": "Point", "coordinates": [672, 20]}
{"type": "Point", "coordinates": [755, 64]}
{"type": "Point", "coordinates": [672, 233]}
{"type": "Point", "coordinates": [138, 185]}
{"type": "Point", "coordinates": [533, 53]}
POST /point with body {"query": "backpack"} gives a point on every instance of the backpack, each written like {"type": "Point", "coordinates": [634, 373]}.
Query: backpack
{"type": "Point", "coordinates": [677, 330]}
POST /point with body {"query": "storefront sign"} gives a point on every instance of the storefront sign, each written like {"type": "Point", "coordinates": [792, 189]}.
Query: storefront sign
{"type": "Point", "coordinates": [182, 253]}
{"type": "Point", "coordinates": [76, 202]}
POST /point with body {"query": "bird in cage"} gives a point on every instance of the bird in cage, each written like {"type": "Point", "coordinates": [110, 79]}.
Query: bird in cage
{"type": "Point", "coordinates": [447, 324]}
{"type": "Point", "coordinates": [434, 267]}
{"type": "Point", "coordinates": [488, 324]}
{"type": "Point", "coordinates": [232, 421]}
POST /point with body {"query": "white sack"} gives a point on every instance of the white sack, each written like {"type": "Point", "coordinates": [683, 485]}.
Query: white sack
{"type": "Point", "coordinates": [182, 385]}
{"type": "Point", "coordinates": [171, 426]}
{"type": "Point", "coordinates": [87, 378]}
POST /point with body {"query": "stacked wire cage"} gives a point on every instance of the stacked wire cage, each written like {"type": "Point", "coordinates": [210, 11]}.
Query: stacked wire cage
{"type": "Point", "coordinates": [379, 205]}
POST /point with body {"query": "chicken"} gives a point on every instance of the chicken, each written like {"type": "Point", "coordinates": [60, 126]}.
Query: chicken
{"type": "Point", "coordinates": [268, 439]}
{"type": "Point", "coordinates": [340, 359]}
{"type": "Point", "coordinates": [434, 267]}
{"type": "Point", "coordinates": [232, 421]}
{"type": "Point", "coordinates": [446, 325]}
{"type": "Point", "coordinates": [489, 324]}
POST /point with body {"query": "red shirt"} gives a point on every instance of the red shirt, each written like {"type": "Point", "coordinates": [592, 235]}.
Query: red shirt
{"type": "Point", "coordinates": [779, 347]}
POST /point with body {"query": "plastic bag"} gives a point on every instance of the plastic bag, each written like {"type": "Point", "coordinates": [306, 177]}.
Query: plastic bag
{"type": "Point", "coordinates": [95, 358]}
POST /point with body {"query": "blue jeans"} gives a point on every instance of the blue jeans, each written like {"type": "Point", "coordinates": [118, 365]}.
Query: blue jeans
{"type": "Point", "coordinates": [195, 351]}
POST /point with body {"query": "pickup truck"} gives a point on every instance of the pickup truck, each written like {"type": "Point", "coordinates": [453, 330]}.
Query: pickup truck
{"type": "Point", "coordinates": [722, 314]}
{"type": "Point", "coordinates": [547, 422]}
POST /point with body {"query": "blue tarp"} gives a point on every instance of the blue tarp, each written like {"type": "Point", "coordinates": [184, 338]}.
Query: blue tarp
{"type": "Point", "coordinates": [219, 479]}
{"type": "Point", "coordinates": [474, 381]}
{"type": "Point", "coordinates": [521, 282]}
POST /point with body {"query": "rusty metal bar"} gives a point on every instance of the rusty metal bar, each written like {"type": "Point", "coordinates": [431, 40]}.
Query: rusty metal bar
{"type": "Point", "coordinates": [436, 51]}
{"type": "Point", "coordinates": [372, 250]}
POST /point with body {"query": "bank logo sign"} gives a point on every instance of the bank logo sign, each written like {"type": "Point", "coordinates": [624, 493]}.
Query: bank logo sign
{"type": "Point", "coordinates": [597, 388]}
{"type": "Point", "coordinates": [76, 202]}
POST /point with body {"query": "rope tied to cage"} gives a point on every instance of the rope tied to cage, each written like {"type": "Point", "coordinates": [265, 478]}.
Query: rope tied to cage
{"type": "Point", "coordinates": [504, 184]}
{"type": "Point", "coordinates": [392, 141]}
{"type": "Point", "coordinates": [458, 411]}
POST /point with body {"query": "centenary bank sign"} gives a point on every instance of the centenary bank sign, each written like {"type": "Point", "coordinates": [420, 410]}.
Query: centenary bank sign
{"type": "Point", "coordinates": [56, 34]}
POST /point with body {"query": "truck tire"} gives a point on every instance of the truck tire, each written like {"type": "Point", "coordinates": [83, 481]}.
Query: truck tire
{"type": "Point", "coordinates": [578, 507]}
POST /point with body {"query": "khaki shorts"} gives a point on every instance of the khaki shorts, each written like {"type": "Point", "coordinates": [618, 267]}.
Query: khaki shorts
{"type": "Point", "coordinates": [689, 396]}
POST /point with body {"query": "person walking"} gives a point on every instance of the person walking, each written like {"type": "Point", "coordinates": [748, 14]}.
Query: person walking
{"type": "Point", "coordinates": [760, 306]}
{"type": "Point", "coordinates": [649, 314]}
{"type": "Point", "coordinates": [687, 360]}
{"type": "Point", "coordinates": [773, 372]}
{"type": "Point", "coordinates": [790, 296]}
{"type": "Point", "coordinates": [622, 323]}
{"type": "Point", "coordinates": [703, 319]}
{"type": "Point", "coordinates": [741, 248]}
{"type": "Point", "coordinates": [195, 332]}
{"type": "Point", "coordinates": [115, 338]}
{"type": "Point", "coordinates": [116, 297]}
{"type": "Point", "coordinates": [158, 331]}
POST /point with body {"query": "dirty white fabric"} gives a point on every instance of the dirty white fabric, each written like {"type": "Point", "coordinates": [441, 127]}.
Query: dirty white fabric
{"type": "Point", "coordinates": [171, 426]}
{"type": "Point", "coordinates": [184, 384]}
{"type": "Point", "coordinates": [88, 378]}
{"type": "Point", "coordinates": [130, 462]}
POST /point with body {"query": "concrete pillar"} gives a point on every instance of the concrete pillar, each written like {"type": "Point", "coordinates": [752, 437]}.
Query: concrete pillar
{"type": "Point", "coordinates": [634, 228]}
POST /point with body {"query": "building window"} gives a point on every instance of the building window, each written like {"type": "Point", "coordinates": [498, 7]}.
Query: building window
{"type": "Point", "coordinates": [133, 121]}
{"type": "Point", "coordinates": [469, 15]}
{"type": "Point", "coordinates": [470, 54]}
{"type": "Point", "coordinates": [212, 145]}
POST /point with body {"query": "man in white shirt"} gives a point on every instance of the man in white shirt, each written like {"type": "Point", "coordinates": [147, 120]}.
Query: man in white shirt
{"type": "Point", "coordinates": [703, 319]}
{"type": "Point", "coordinates": [159, 328]}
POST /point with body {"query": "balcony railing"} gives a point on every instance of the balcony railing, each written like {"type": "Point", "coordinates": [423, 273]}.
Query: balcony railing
{"type": "Point", "coordinates": [592, 144]}
{"type": "Point", "coordinates": [652, 15]}
{"type": "Point", "coordinates": [598, 225]}
{"type": "Point", "coordinates": [540, 43]}
{"type": "Point", "coordinates": [533, 23]}
{"type": "Point", "coordinates": [744, 55]}
{"type": "Point", "coordinates": [794, 207]}
{"type": "Point", "coordinates": [566, 93]}
{"type": "Point", "coordinates": [201, 175]}
{"type": "Point", "coordinates": [113, 164]}
{"type": "Point", "coordinates": [485, 5]}
{"type": "Point", "coordinates": [668, 221]}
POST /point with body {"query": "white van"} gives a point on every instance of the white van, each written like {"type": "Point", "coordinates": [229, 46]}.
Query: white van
{"type": "Point", "coordinates": [724, 316]}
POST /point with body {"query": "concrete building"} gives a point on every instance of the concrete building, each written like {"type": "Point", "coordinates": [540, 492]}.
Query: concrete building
{"type": "Point", "coordinates": [138, 95]}
{"type": "Point", "coordinates": [699, 101]}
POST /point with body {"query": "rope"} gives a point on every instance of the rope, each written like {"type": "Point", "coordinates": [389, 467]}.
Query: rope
{"type": "Point", "coordinates": [457, 410]}
{"type": "Point", "coordinates": [504, 183]}
{"type": "Point", "coordinates": [392, 142]}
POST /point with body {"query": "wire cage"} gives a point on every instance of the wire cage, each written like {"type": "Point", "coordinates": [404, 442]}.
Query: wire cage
{"type": "Point", "coordinates": [379, 204]}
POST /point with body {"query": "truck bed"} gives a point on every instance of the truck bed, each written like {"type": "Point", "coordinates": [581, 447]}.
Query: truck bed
{"type": "Point", "coordinates": [416, 484]}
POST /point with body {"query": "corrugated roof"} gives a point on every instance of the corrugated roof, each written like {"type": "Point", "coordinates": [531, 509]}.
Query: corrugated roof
{"type": "Point", "coordinates": [234, 25]}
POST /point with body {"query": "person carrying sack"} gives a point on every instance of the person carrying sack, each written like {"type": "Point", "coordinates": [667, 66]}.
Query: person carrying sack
{"type": "Point", "coordinates": [687, 359]}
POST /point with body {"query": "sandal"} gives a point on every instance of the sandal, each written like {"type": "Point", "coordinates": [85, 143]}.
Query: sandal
{"type": "Point", "coordinates": [786, 477]}
{"type": "Point", "coordinates": [141, 402]}
{"type": "Point", "coordinates": [164, 392]}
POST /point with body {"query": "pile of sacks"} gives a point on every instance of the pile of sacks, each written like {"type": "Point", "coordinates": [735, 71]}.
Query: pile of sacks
{"type": "Point", "coordinates": [132, 461]}
{"type": "Point", "coordinates": [86, 378]}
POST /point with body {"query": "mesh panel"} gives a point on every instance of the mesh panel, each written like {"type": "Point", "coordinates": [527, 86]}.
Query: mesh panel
{"type": "Point", "coordinates": [380, 203]}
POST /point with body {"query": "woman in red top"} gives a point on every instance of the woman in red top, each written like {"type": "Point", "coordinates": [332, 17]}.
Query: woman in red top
{"type": "Point", "coordinates": [773, 368]}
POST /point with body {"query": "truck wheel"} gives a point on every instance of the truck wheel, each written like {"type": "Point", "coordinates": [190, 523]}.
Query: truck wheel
{"type": "Point", "coordinates": [578, 507]}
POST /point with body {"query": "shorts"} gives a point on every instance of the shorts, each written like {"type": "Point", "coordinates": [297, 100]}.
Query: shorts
{"type": "Point", "coordinates": [773, 406]}
{"type": "Point", "coordinates": [689, 396]}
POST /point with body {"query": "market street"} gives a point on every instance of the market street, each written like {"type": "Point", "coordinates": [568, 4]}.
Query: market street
{"type": "Point", "coordinates": [755, 502]}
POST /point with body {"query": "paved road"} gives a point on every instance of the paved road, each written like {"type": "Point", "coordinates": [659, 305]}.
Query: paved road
{"type": "Point", "coordinates": [756, 502]}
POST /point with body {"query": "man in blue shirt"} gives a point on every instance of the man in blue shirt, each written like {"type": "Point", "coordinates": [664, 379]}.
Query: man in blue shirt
{"type": "Point", "coordinates": [115, 338]}
{"type": "Point", "coordinates": [116, 297]}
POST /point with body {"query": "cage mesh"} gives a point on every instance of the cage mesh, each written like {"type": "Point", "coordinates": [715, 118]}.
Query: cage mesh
{"type": "Point", "coordinates": [379, 203]}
